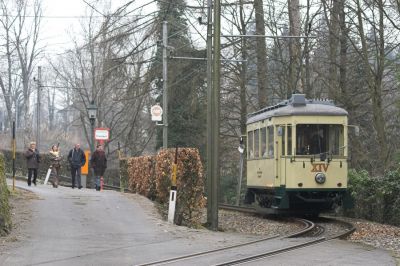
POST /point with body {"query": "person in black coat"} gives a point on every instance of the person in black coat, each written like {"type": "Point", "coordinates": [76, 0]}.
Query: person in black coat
{"type": "Point", "coordinates": [99, 164]}
{"type": "Point", "coordinates": [76, 159]}
{"type": "Point", "coordinates": [32, 160]}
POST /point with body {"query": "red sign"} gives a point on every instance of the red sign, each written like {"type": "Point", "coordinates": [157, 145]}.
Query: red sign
{"type": "Point", "coordinates": [101, 134]}
{"type": "Point", "coordinates": [156, 113]}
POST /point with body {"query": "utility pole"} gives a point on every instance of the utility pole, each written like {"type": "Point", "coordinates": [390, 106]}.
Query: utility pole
{"type": "Point", "coordinates": [39, 85]}
{"type": "Point", "coordinates": [215, 99]}
{"type": "Point", "coordinates": [165, 87]}
{"type": "Point", "coordinates": [209, 113]}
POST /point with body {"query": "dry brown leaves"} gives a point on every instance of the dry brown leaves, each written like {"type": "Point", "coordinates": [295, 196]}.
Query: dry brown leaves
{"type": "Point", "coordinates": [151, 176]}
{"type": "Point", "coordinates": [370, 230]}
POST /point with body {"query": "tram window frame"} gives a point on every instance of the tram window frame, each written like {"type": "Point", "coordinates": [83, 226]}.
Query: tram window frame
{"type": "Point", "coordinates": [289, 140]}
{"type": "Point", "coordinates": [270, 141]}
{"type": "Point", "coordinates": [256, 143]}
{"type": "Point", "coordinates": [250, 145]}
{"type": "Point", "coordinates": [331, 138]}
{"type": "Point", "coordinates": [283, 146]}
{"type": "Point", "coordinates": [263, 135]}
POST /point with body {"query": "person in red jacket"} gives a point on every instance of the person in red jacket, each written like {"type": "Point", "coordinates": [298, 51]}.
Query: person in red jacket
{"type": "Point", "coordinates": [98, 162]}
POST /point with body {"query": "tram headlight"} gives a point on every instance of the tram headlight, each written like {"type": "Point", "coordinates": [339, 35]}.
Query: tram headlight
{"type": "Point", "coordinates": [320, 178]}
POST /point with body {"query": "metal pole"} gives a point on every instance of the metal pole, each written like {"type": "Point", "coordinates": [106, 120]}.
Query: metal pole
{"type": "Point", "coordinates": [240, 180]}
{"type": "Point", "coordinates": [209, 112]}
{"type": "Point", "coordinates": [92, 121]}
{"type": "Point", "coordinates": [215, 114]}
{"type": "Point", "coordinates": [165, 87]}
{"type": "Point", "coordinates": [13, 154]}
{"type": "Point", "coordinates": [38, 107]}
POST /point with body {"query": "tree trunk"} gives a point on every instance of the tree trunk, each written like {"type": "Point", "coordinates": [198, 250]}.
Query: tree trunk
{"type": "Point", "coordinates": [262, 81]}
{"type": "Point", "coordinates": [374, 81]}
{"type": "Point", "coordinates": [294, 47]}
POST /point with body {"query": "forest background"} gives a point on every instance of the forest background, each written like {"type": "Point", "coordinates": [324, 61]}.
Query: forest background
{"type": "Point", "coordinates": [351, 55]}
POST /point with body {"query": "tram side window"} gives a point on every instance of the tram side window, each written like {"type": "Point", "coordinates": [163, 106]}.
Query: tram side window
{"type": "Point", "coordinates": [256, 143]}
{"type": "Point", "coordinates": [250, 151]}
{"type": "Point", "coordinates": [270, 141]}
{"type": "Point", "coordinates": [264, 142]}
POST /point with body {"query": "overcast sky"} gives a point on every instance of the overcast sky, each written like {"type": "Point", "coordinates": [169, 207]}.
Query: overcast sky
{"type": "Point", "coordinates": [62, 17]}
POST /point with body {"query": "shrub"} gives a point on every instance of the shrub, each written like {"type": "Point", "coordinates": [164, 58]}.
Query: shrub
{"type": "Point", "coordinates": [151, 176]}
{"type": "Point", "coordinates": [5, 217]}
{"type": "Point", "coordinates": [375, 198]}
{"type": "Point", "coordinates": [141, 175]}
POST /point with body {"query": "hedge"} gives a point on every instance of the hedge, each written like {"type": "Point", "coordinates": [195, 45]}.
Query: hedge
{"type": "Point", "coordinates": [141, 175]}
{"type": "Point", "coordinates": [151, 176]}
{"type": "Point", "coordinates": [5, 217]}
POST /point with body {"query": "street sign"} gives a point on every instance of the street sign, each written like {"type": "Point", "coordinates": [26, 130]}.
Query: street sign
{"type": "Point", "coordinates": [156, 113]}
{"type": "Point", "coordinates": [101, 134]}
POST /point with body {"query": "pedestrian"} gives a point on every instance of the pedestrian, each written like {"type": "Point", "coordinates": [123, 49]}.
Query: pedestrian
{"type": "Point", "coordinates": [32, 160]}
{"type": "Point", "coordinates": [99, 164]}
{"type": "Point", "coordinates": [55, 160]}
{"type": "Point", "coordinates": [77, 159]}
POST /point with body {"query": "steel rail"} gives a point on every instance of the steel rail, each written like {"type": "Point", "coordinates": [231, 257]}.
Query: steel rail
{"type": "Point", "coordinates": [273, 252]}
{"type": "Point", "coordinates": [198, 254]}
{"type": "Point", "coordinates": [320, 240]}
{"type": "Point", "coordinates": [308, 227]}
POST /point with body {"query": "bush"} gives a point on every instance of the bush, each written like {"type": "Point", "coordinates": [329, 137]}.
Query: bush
{"type": "Point", "coordinates": [375, 198]}
{"type": "Point", "coordinates": [141, 175]}
{"type": "Point", "coordinates": [151, 176]}
{"type": "Point", "coordinates": [5, 217]}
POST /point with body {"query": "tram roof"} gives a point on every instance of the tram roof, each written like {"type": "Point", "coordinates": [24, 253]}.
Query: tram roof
{"type": "Point", "coordinates": [298, 105]}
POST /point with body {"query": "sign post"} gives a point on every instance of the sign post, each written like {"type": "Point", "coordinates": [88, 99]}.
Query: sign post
{"type": "Point", "coordinates": [13, 154]}
{"type": "Point", "coordinates": [156, 113]}
{"type": "Point", "coordinates": [172, 194]}
{"type": "Point", "coordinates": [239, 188]}
{"type": "Point", "coordinates": [101, 135]}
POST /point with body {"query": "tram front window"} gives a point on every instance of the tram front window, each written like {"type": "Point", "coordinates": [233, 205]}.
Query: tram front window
{"type": "Point", "coordinates": [314, 139]}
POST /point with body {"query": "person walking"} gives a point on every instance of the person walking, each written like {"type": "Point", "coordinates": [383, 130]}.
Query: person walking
{"type": "Point", "coordinates": [32, 160]}
{"type": "Point", "coordinates": [55, 159]}
{"type": "Point", "coordinates": [77, 159]}
{"type": "Point", "coordinates": [98, 162]}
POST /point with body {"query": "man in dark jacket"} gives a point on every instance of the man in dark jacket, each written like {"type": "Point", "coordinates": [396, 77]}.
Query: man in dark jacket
{"type": "Point", "coordinates": [77, 159]}
{"type": "Point", "coordinates": [32, 160]}
{"type": "Point", "coordinates": [99, 164]}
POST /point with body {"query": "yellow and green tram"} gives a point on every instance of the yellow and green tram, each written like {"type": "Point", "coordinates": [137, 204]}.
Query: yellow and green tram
{"type": "Point", "coordinates": [297, 156]}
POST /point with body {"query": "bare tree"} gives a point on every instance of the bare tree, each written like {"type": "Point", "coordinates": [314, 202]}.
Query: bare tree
{"type": "Point", "coordinates": [294, 47]}
{"type": "Point", "coordinates": [262, 80]}
{"type": "Point", "coordinates": [26, 34]}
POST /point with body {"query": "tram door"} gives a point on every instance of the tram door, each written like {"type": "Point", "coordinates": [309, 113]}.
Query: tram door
{"type": "Point", "coordinates": [278, 155]}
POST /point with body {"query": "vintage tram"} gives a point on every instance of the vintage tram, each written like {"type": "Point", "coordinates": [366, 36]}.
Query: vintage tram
{"type": "Point", "coordinates": [297, 156]}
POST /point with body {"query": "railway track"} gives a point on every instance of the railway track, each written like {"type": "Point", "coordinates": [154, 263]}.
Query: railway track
{"type": "Point", "coordinates": [312, 233]}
